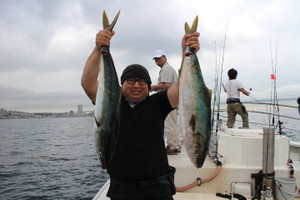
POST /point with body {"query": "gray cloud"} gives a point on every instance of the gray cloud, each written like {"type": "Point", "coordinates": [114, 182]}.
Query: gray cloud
{"type": "Point", "coordinates": [45, 44]}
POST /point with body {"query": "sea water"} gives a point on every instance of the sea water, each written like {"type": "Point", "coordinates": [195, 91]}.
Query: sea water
{"type": "Point", "coordinates": [55, 158]}
{"type": "Point", "coordinates": [49, 158]}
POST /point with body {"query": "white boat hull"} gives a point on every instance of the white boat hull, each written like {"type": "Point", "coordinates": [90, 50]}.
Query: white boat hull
{"type": "Point", "coordinates": [242, 158]}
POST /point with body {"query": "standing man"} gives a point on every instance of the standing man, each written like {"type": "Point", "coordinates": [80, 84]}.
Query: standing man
{"type": "Point", "coordinates": [234, 106]}
{"type": "Point", "coordinates": [137, 170]}
{"type": "Point", "coordinates": [167, 77]}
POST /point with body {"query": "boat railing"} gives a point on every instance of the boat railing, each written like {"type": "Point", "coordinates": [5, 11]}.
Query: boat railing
{"type": "Point", "coordinates": [258, 123]}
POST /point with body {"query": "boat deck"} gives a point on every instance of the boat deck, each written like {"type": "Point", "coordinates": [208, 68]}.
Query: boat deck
{"type": "Point", "coordinates": [182, 162]}
{"type": "Point", "coordinates": [230, 174]}
{"type": "Point", "coordinates": [196, 196]}
{"type": "Point", "coordinates": [101, 195]}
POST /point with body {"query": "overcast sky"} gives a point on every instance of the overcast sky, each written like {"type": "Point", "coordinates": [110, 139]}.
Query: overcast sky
{"type": "Point", "coordinates": [45, 44]}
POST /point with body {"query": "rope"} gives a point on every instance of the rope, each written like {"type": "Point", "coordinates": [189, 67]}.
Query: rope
{"type": "Point", "coordinates": [199, 181]}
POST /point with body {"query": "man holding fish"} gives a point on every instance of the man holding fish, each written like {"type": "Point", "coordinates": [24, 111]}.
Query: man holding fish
{"type": "Point", "coordinates": [136, 169]}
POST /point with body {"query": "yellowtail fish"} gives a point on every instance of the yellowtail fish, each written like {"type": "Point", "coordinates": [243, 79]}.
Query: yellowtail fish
{"type": "Point", "coordinates": [107, 106]}
{"type": "Point", "coordinates": [194, 105]}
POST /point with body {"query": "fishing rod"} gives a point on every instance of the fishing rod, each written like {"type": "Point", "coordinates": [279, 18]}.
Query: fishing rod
{"type": "Point", "coordinates": [214, 152]}
{"type": "Point", "coordinates": [258, 101]}
{"type": "Point", "coordinates": [215, 88]}
{"type": "Point", "coordinates": [273, 83]}
{"type": "Point", "coordinates": [269, 113]}
{"type": "Point", "coordinates": [221, 74]}
{"type": "Point", "coordinates": [218, 95]}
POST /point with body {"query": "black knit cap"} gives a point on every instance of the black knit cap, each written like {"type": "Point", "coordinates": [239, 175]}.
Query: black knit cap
{"type": "Point", "coordinates": [136, 71]}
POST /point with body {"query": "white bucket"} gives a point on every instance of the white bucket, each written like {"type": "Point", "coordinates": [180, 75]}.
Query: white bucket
{"type": "Point", "coordinates": [286, 188]}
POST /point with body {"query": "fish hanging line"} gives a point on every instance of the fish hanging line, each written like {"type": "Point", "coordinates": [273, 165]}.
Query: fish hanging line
{"type": "Point", "coordinates": [274, 98]}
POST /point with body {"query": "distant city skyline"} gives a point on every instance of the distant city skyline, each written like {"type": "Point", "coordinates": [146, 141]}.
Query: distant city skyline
{"type": "Point", "coordinates": [13, 114]}
{"type": "Point", "coordinates": [77, 109]}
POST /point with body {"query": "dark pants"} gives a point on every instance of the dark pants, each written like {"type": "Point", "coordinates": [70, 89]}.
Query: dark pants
{"type": "Point", "coordinates": [165, 198]}
{"type": "Point", "coordinates": [154, 192]}
{"type": "Point", "coordinates": [160, 188]}
{"type": "Point", "coordinates": [234, 109]}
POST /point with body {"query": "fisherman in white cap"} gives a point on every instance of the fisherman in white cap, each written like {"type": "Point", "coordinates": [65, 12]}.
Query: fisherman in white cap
{"type": "Point", "coordinates": [167, 77]}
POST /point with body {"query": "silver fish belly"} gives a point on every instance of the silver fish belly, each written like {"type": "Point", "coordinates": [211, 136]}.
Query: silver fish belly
{"type": "Point", "coordinates": [107, 109]}
{"type": "Point", "coordinates": [194, 110]}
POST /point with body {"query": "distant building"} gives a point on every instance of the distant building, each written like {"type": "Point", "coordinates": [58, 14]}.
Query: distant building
{"type": "Point", "coordinates": [3, 112]}
{"type": "Point", "coordinates": [71, 114]}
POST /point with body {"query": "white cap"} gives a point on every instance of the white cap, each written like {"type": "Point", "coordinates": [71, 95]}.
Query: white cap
{"type": "Point", "coordinates": [158, 54]}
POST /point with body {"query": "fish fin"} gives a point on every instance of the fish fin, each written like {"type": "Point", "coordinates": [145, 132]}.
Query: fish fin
{"type": "Point", "coordinates": [96, 121]}
{"type": "Point", "coordinates": [194, 25]}
{"type": "Point", "coordinates": [113, 23]}
{"type": "Point", "coordinates": [105, 20]}
{"type": "Point", "coordinates": [193, 28]}
{"type": "Point", "coordinates": [187, 28]}
{"type": "Point", "coordinates": [193, 123]}
{"type": "Point", "coordinates": [190, 30]}
{"type": "Point", "coordinates": [209, 93]}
